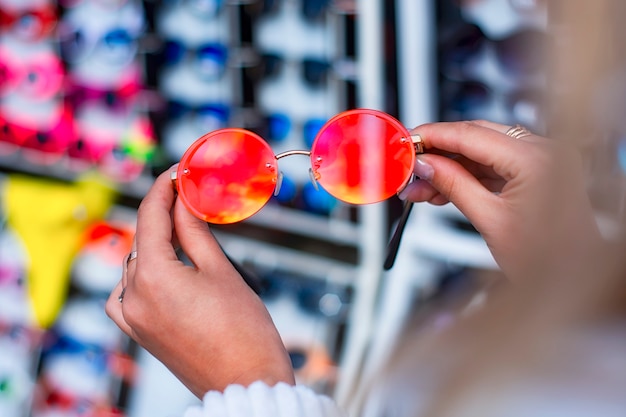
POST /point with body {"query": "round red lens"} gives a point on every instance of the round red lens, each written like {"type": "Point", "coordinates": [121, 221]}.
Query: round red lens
{"type": "Point", "coordinates": [227, 175]}
{"type": "Point", "coordinates": [363, 156]}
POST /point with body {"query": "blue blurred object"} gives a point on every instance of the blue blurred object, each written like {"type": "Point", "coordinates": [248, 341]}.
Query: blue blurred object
{"type": "Point", "coordinates": [279, 127]}
{"type": "Point", "coordinates": [314, 10]}
{"type": "Point", "coordinates": [317, 200]}
{"type": "Point", "coordinates": [208, 59]}
{"type": "Point", "coordinates": [310, 130]}
{"type": "Point", "coordinates": [287, 192]}
{"type": "Point", "coordinates": [201, 8]}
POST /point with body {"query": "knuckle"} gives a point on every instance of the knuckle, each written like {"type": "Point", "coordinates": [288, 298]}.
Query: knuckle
{"type": "Point", "coordinates": [109, 307]}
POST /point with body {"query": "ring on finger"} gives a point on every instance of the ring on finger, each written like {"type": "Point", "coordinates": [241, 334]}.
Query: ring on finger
{"type": "Point", "coordinates": [518, 132]}
{"type": "Point", "coordinates": [120, 298]}
{"type": "Point", "coordinates": [131, 257]}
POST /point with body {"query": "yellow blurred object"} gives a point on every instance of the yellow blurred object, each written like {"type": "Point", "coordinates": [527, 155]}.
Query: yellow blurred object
{"type": "Point", "coordinates": [50, 217]}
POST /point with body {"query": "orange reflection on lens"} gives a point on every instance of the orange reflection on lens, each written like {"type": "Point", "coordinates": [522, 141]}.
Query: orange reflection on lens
{"type": "Point", "coordinates": [363, 156]}
{"type": "Point", "coordinates": [227, 175]}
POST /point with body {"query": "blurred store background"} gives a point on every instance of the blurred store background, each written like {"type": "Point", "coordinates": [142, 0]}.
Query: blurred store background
{"type": "Point", "coordinates": [99, 96]}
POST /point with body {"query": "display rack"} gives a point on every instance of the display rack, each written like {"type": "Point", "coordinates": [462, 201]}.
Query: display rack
{"type": "Point", "coordinates": [198, 75]}
{"type": "Point", "coordinates": [212, 64]}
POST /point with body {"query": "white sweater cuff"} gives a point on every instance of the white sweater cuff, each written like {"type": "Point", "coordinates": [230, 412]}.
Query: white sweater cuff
{"type": "Point", "coordinates": [261, 400]}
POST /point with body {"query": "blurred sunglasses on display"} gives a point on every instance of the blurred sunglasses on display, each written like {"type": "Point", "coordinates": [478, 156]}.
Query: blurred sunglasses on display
{"type": "Point", "coordinates": [117, 144]}
{"type": "Point", "coordinates": [279, 127]}
{"type": "Point", "coordinates": [519, 6]}
{"type": "Point", "coordinates": [305, 197]}
{"type": "Point", "coordinates": [313, 296]}
{"type": "Point", "coordinates": [313, 11]}
{"type": "Point", "coordinates": [96, 34]}
{"type": "Point", "coordinates": [206, 116]}
{"type": "Point", "coordinates": [28, 20]}
{"type": "Point", "coordinates": [109, 4]}
{"type": "Point", "coordinates": [465, 100]}
{"type": "Point", "coordinates": [360, 156]}
{"type": "Point", "coordinates": [121, 96]}
{"type": "Point", "coordinates": [25, 338]}
{"type": "Point", "coordinates": [208, 60]}
{"type": "Point", "coordinates": [520, 54]}
{"type": "Point", "coordinates": [314, 71]}
{"type": "Point", "coordinates": [44, 142]}
{"type": "Point", "coordinates": [117, 45]}
{"type": "Point", "coordinates": [200, 8]}
{"type": "Point", "coordinates": [99, 356]}
{"type": "Point", "coordinates": [38, 75]}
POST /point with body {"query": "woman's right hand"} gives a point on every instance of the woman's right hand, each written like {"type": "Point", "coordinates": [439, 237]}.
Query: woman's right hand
{"type": "Point", "coordinates": [527, 197]}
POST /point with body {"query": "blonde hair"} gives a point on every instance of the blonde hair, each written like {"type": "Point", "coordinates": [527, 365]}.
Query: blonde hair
{"type": "Point", "coordinates": [536, 332]}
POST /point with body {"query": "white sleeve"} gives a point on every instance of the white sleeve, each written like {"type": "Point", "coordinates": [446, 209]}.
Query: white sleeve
{"type": "Point", "coordinates": [261, 400]}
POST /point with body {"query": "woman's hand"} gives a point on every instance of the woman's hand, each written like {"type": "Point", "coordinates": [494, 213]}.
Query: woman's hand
{"type": "Point", "coordinates": [526, 196]}
{"type": "Point", "coordinates": [202, 321]}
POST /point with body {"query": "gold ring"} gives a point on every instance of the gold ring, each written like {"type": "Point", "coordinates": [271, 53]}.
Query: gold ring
{"type": "Point", "coordinates": [518, 132]}
{"type": "Point", "coordinates": [121, 296]}
{"type": "Point", "coordinates": [131, 257]}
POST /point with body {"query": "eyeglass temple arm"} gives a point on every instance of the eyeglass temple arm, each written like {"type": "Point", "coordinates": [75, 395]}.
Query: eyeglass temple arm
{"type": "Point", "coordinates": [394, 243]}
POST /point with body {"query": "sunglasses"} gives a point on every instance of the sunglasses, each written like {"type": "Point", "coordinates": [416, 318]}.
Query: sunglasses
{"type": "Point", "coordinates": [208, 60]}
{"type": "Point", "coordinates": [305, 197]}
{"type": "Point", "coordinates": [201, 8]}
{"type": "Point", "coordinates": [38, 75]}
{"type": "Point", "coordinates": [47, 142]}
{"type": "Point", "coordinates": [360, 156]}
{"type": "Point", "coordinates": [120, 96]}
{"type": "Point", "coordinates": [31, 23]}
{"type": "Point", "coordinates": [312, 295]}
{"type": "Point", "coordinates": [209, 114]}
{"type": "Point", "coordinates": [116, 45]}
{"type": "Point", "coordinates": [109, 4]}
{"type": "Point", "coordinates": [313, 71]}
{"type": "Point", "coordinates": [313, 11]}
{"type": "Point", "coordinates": [117, 144]}
{"type": "Point", "coordinates": [87, 32]}
{"type": "Point", "coordinates": [465, 100]}
{"type": "Point", "coordinates": [279, 127]}
{"type": "Point", "coordinates": [520, 54]}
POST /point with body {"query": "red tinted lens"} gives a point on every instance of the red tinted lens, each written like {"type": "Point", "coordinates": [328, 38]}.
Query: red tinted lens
{"type": "Point", "coordinates": [227, 176]}
{"type": "Point", "coordinates": [363, 156]}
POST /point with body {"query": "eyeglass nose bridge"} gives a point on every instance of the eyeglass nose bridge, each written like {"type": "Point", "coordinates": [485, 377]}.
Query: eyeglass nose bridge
{"type": "Point", "coordinates": [279, 181]}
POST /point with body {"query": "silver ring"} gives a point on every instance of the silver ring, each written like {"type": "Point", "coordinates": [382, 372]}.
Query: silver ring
{"type": "Point", "coordinates": [518, 132]}
{"type": "Point", "coordinates": [130, 257]}
{"type": "Point", "coordinates": [120, 298]}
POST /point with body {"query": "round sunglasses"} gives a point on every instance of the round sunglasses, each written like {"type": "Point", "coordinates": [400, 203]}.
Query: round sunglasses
{"type": "Point", "coordinates": [360, 156]}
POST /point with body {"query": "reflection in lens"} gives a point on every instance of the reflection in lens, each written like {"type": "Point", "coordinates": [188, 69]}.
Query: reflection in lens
{"type": "Point", "coordinates": [363, 156]}
{"type": "Point", "coordinates": [226, 176]}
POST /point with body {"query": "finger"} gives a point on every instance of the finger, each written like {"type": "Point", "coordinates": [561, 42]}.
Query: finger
{"type": "Point", "coordinates": [195, 238]}
{"type": "Point", "coordinates": [422, 191]}
{"type": "Point", "coordinates": [455, 184]}
{"type": "Point", "coordinates": [113, 308]}
{"type": "Point", "coordinates": [503, 128]}
{"type": "Point", "coordinates": [492, 125]}
{"type": "Point", "coordinates": [154, 225]}
{"type": "Point", "coordinates": [485, 145]}
{"type": "Point", "coordinates": [128, 265]}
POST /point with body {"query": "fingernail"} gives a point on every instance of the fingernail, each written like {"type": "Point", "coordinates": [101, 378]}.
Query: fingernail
{"type": "Point", "coordinates": [402, 195]}
{"type": "Point", "coordinates": [423, 169]}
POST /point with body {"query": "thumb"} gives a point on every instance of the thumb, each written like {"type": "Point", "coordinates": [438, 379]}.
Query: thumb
{"type": "Point", "coordinates": [195, 237]}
